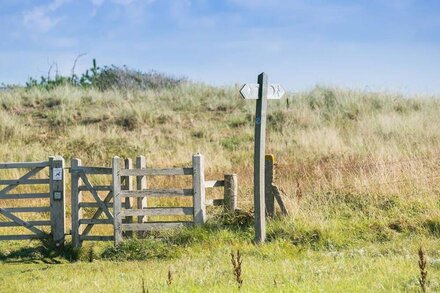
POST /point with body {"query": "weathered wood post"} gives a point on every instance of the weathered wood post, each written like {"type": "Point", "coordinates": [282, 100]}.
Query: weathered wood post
{"type": "Point", "coordinates": [230, 193]}
{"type": "Point", "coordinates": [116, 183]}
{"type": "Point", "coordinates": [141, 183]}
{"type": "Point", "coordinates": [269, 174]}
{"type": "Point", "coordinates": [76, 198]}
{"type": "Point", "coordinates": [198, 179]}
{"type": "Point", "coordinates": [57, 202]}
{"type": "Point", "coordinates": [261, 92]}
{"type": "Point", "coordinates": [128, 202]}
{"type": "Point", "coordinates": [260, 146]}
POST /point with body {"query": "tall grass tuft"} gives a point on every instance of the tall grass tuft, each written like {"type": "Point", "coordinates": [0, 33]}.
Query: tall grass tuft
{"type": "Point", "coordinates": [91, 254]}
{"type": "Point", "coordinates": [144, 290]}
{"type": "Point", "coordinates": [170, 277]}
{"type": "Point", "coordinates": [423, 271]}
{"type": "Point", "coordinates": [236, 265]}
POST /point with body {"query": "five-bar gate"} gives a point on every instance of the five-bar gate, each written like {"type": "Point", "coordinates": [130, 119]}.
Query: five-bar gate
{"type": "Point", "coordinates": [36, 192]}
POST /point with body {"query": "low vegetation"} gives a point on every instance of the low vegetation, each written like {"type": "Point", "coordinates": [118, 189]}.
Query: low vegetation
{"type": "Point", "coordinates": [359, 171]}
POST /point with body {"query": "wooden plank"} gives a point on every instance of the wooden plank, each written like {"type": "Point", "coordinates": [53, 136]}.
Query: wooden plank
{"type": "Point", "coordinates": [128, 185]}
{"type": "Point", "coordinates": [280, 201]}
{"type": "Point", "coordinates": [24, 165]}
{"type": "Point", "coordinates": [230, 193]}
{"type": "Point", "coordinates": [141, 183]}
{"type": "Point", "coordinates": [96, 196]}
{"type": "Point", "coordinates": [95, 187]}
{"type": "Point", "coordinates": [214, 202]}
{"type": "Point", "coordinates": [33, 223]}
{"type": "Point", "coordinates": [95, 221]}
{"type": "Point", "coordinates": [94, 205]}
{"type": "Point", "coordinates": [199, 189]}
{"type": "Point", "coordinates": [157, 172]}
{"type": "Point", "coordinates": [155, 226]}
{"type": "Point", "coordinates": [26, 176]}
{"type": "Point", "coordinates": [25, 224]}
{"type": "Point", "coordinates": [259, 153]}
{"type": "Point", "coordinates": [28, 210]}
{"type": "Point", "coordinates": [23, 237]}
{"type": "Point", "coordinates": [269, 178]}
{"type": "Point", "coordinates": [157, 192]}
{"type": "Point", "coordinates": [24, 182]}
{"type": "Point", "coordinates": [98, 213]}
{"type": "Point", "coordinates": [214, 183]}
{"type": "Point", "coordinates": [174, 211]}
{"type": "Point", "coordinates": [92, 170]}
{"type": "Point", "coordinates": [57, 177]}
{"type": "Point", "coordinates": [96, 238]}
{"type": "Point", "coordinates": [76, 199]}
{"type": "Point", "coordinates": [24, 195]}
{"type": "Point", "coordinates": [116, 183]}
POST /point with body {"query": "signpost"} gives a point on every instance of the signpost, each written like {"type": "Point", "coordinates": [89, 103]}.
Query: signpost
{"type": "Point", "coordinates": [261, 92]}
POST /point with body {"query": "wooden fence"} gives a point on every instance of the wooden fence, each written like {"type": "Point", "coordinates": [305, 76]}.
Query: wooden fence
{"type": "Point", "coordinates": [135, 214]}
{"type": "Point", "coordinates": [110, 204]}
{"type": "Point", "coordinates": [54, 192]}
{"type": "Point", "coordinates": [101, 201]}
{"type": "Point", "coordinates": [196, 211]}
{"type": "Point", "coordinates": [81, 183]}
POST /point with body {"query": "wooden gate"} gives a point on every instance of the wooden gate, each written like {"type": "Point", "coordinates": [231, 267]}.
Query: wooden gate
{"type": "Point", "coordinates": [197, 192]}
{"type": "Point", "coordinates": [42, 196]}
{"type": "Point", "coordinates": [92, 204]}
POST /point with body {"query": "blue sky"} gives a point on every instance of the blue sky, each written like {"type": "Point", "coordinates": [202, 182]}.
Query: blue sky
{"type": "Point", "coordinates": [374, 44]}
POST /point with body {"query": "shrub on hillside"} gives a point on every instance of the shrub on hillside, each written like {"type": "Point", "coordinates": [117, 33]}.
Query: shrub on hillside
{"type": "Point", "coordinates": [113, 77]}
{"type": "Point", "coordinates": [109, 77]}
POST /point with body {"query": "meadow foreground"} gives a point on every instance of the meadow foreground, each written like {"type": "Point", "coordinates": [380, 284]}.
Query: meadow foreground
{"type": "Point", "coordinates": [359, 172]}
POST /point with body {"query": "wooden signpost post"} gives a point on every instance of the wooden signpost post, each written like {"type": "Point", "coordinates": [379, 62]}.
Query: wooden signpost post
{"type": "Point", "coordinates": [261, 92]}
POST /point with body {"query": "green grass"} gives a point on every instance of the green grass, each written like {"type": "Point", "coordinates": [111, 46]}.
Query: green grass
{"type": "Point", "coordinates": [204, 262]}
{"type": "Point", "coordinates": [360, 172]}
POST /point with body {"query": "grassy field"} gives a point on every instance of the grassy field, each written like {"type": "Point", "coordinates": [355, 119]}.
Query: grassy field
{"type": "Point", "coordinates": [359, 171]}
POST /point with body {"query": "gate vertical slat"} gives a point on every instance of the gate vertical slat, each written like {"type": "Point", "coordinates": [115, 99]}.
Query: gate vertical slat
{"type": "Point", "coordinates": [76, 197]}
{"type": "Point", "coordinates": [128, 202]}
{"type": "Point", "coordinates": [141, 183]}
{"type": "Point", "coordinates": [117, 208]}
{"type": "Point", "coordinates": [57, 199]}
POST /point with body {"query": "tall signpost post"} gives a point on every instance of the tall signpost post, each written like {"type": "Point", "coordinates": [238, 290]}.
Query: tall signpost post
{"type": "Point", "coordinates": [261, 92]}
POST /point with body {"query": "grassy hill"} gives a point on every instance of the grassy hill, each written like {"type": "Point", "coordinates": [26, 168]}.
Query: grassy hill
{"type": "Point", "coordinates": [359, 169]}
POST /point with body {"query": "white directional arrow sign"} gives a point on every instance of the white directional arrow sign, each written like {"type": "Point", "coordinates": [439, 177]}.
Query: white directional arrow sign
{"type": "Point", "coordinates": [250, 91]}
{"type": "Point", "coordinates": [261, 91]}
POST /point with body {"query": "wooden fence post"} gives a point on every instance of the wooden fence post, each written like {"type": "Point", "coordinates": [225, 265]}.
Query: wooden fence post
{"type": "Point", "coordinates": [269, 196]}
{"type": "Point", "coordinates": [230, 193]}
{"type": "Point", "coordinates": [141, 183]}
{"type": "Point", "coordinates": [199, 189]}
{"type": "Point", "coordinates": [76, 198]}
{"type": "Point", "coordinates": [57, 202]}
{"type": "Point", "coordinates": [128, 202]}
{"type": "Point", "coordinates": [116, 183]}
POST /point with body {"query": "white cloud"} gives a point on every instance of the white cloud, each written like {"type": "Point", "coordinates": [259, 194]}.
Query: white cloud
{"type": "Point", "coordinates": [97, 3]}
{"type": "Point", "coordinates": [56, 4]}
{"type": "Point", "coordinates": [40, 17]}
